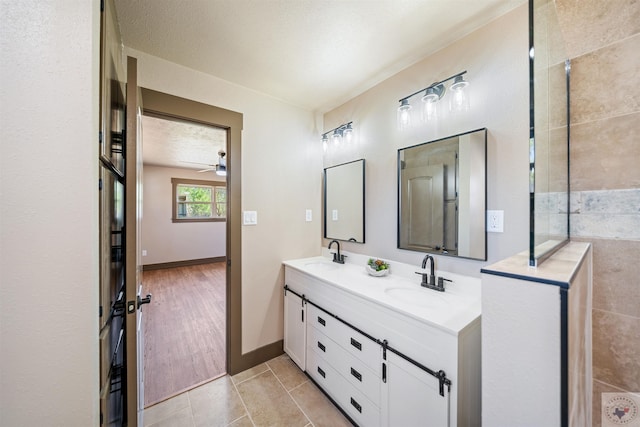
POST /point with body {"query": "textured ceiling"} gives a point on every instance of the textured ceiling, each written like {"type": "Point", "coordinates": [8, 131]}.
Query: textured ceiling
{"type": "Point", "coordinates": [315, 54]}
{"type": "Point", "coordinates": [176, 143]}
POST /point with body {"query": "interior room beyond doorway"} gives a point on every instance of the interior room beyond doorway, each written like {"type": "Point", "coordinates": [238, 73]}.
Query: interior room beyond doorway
{"type": "Point", "coordinates": [184, 242]}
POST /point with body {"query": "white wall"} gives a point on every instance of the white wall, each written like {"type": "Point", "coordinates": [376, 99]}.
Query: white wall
{"type": "Point", "coordinates": [496, 58]}
{"type": "Point", "coordinates": [166, 241]}
{"type": "Point", "coordinates": [281, 177]}
{"type": "Point", "coordinates": [49, 213]}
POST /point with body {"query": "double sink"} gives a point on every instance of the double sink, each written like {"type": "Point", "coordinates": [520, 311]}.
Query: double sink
{"type": "Point", "coordinates": [401, 292]}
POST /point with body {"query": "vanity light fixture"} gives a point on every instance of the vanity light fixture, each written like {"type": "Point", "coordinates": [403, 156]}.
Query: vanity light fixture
{"type": "Point", "coordinates": [404, 114]}
{"type": "Point", "coordinates": [347, 134]}
{"type": "Point", "coordinates": [459, 101]}
{"type": "Point", "coordinates": [336, 137]}
{"type": "Point", "coordinates": [342, 132]}
{"type": "Point", "coordinates": [325, 142]}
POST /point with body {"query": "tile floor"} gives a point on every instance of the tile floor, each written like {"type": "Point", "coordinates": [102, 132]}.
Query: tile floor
{"type": "Point", "coordinates": [275, 393]}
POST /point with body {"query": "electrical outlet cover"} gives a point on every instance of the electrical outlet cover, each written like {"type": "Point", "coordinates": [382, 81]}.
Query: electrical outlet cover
{"type": "Point", "coordinates": [495, 221]}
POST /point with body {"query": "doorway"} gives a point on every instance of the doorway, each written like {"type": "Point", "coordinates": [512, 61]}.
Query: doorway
{"type": "Point", "coordinates": [183, 236]}
{"type": "Point", "coordinates": [157, 103]}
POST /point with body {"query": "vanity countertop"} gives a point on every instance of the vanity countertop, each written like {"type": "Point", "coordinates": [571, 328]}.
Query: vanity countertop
{"type": "Point", "coordinates": [450, 311]}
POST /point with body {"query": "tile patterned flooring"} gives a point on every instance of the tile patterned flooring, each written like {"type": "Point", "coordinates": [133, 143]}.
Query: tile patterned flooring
{"type": "Point", "coordinates": [275, 393]}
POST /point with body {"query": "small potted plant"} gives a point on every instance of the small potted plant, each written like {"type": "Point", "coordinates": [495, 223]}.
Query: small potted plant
{"type": "Point", "coordinates": [377, 267]}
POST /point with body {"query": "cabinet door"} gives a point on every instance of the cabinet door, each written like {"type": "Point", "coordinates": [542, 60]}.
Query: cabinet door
{"type": "Point", "coordinates": [413, 396]}
{"type": "Point", "coordinates": [295, 332]}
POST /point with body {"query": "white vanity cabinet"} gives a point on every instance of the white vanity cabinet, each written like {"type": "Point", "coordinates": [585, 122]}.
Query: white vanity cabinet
{"type": "Point", "coordinates": [381, 365]}
{"type": "Point", "coordinates": [336, 349]}
{"type": "Point", "coordinates": [412, 395]}
{"type": "Point", "coordinates": [295, 331]}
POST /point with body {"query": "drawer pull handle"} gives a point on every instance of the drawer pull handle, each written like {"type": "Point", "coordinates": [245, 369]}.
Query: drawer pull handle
{"type": "Point", "coordinates": [321, 346]}
{"type": "Point", "coordinates": [356, 405]}
{"type": "Point", "coordinates": [321, 321]}
{"type": "Point", "coordinates": [321, 372]}
{"type": "Point", "coordinates": [356, 374]}
{"type": "Point", "coordinates": [356, 344]}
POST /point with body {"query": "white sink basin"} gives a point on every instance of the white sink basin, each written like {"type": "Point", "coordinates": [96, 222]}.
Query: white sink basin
{"type": "Point", "coordinates": [416, 296]}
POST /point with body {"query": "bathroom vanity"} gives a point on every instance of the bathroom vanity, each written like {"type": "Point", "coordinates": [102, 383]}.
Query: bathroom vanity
{"type": "Point", "coordinates": [386, 350]}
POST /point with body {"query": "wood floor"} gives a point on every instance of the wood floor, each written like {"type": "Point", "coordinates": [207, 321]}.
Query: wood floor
{"type": "Point", "coordinates": [184, 329]}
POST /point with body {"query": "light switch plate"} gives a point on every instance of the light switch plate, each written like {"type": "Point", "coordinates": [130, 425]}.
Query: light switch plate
{"type": "Point", "coordinates": [250, 218]}
{"type": "Point", "coordinates": [308, 216]}
{"type": "Point", "coordinates": [334, 215]}
{"type": "Point", "coordinates": [495, 221]}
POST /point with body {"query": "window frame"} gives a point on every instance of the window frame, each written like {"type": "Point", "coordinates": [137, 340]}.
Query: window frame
{"type": "Point", "coordinates": [184, 181]}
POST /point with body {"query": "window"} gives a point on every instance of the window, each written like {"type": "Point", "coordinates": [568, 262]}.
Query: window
{"type": "Point", "coordinates": [198, 201]}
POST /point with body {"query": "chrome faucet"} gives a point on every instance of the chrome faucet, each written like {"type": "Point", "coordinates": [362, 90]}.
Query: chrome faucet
{"type": "Point", "coordinates": [429, 280]}
{"type": "Point", "coordinates": [336, 255]}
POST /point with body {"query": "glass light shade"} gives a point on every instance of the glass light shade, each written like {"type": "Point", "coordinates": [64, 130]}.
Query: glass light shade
{"type": "Point", "coordinates": [348, 134]}
{"type": "Point", "coordinates": [404, 115]}
{"type": "Point", "coordinates": [459, 83]}
{"type": "Point", "coordinates": [430, 95]}
{"type": "Point", "coordinates": [429, 111]}
{"type": "Point", "coordinates": [429, 105]}
{"type": "Point", "coordinates": [336, 137]}
{"type": "Point", "coordinates": [459, 100]}
{"type": "Point", "coordinates": [325, 142]}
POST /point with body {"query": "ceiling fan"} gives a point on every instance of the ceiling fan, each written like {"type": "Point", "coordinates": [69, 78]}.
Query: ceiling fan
{"type": "Point", "coordinates": [220, 168]}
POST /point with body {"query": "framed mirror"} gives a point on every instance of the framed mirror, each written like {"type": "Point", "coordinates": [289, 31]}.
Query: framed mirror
{"type": "Point", "coordinates": [344, 202]}
{"type": "Point", "coordinates": [442, 196]}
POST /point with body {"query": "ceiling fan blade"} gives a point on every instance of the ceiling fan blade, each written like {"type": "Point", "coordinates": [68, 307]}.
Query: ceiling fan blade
{"type": "Point", "coordinates": [207, 170]}
{"type": "Point", "coordinates": [197, 163]}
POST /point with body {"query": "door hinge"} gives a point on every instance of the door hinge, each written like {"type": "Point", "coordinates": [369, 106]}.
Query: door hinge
{"type": "Point", "coordinates": [228, 262]}
{"type": "Point", "coordinates": [100, 184]}
{"type": "Point", "coordinates": [99, 137]}
{"type": "Point", "coordinates": [100, 311]}
{"type": "Point", "coordinates": [101, 5]}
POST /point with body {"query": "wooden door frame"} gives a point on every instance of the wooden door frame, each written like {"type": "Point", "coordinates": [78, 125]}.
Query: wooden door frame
{"type": "Point", "coordinates": [173, 106]}
{"type": "Point", "coordinates": [133, 164]}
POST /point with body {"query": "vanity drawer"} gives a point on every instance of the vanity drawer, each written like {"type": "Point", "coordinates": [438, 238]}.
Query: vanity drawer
{"type": "Point", "coordinates": [363, 378]}
{"type": "Point", "coordinates": [359, 408]}
{"type": "Point", "coordinates": [352, 341]}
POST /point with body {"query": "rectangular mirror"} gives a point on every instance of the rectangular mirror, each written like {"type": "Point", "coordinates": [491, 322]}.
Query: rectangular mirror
{"type": "Point", "coordinates": [344, 202]}
{"type": "Point", "coordinates": [442, 196]}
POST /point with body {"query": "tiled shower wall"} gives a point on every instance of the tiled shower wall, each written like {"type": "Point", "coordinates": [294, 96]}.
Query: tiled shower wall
{"type": "Point", "coordinates": [603, 42]}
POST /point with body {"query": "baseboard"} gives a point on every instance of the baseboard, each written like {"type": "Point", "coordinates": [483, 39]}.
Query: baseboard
{"type": "Point", "coordinates": [255, 357]}
{"type": "Point", "coordinates": [185, 263]}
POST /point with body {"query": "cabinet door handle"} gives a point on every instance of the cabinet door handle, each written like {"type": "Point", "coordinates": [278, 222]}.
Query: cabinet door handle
{"type": "Point", "coordinates": [356, 344]}
{"type": "Point", "coordinates": [356, 405]}
{"type": "Point", "coordinates": [356, 374]}
{"type": "Point", "coordinates": [321, 372]}
{"type": "Point", "coordinates": [321, 321]}
{"type": "Point", "coordinates": [321, 346]}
